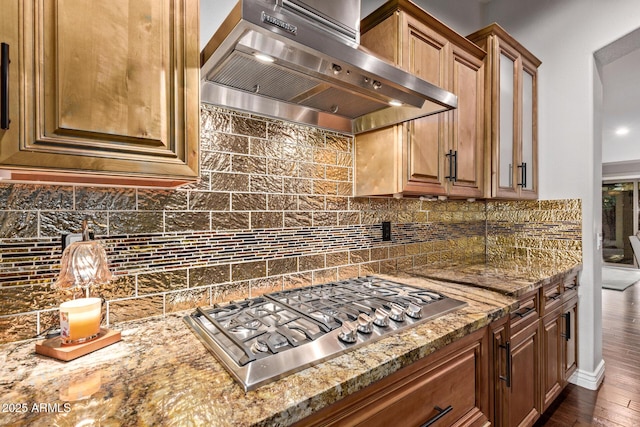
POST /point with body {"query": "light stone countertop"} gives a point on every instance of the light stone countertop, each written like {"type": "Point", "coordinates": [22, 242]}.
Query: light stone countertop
{"type": "Point", "coordinates": [160, 373]}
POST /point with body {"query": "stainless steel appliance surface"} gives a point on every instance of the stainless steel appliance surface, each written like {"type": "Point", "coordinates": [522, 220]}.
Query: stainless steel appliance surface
{"type": "Point", "coordinates": [265, 338]}
{"type": "Point", "coordinates": [300, 60]}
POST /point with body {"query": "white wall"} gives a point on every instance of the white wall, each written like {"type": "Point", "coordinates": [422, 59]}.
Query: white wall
{"type": "Point", "coordinates": [565, 35]}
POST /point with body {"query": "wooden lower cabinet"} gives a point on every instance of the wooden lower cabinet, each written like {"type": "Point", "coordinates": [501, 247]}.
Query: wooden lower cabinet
{"type": "Point", "coordinates": [449, 387]}
{"type": "Point", "coordinates": [551, 330]}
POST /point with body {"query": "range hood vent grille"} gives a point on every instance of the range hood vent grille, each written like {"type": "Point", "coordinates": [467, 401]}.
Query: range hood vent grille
{"type": "Point", "coordinates": [316, 77]}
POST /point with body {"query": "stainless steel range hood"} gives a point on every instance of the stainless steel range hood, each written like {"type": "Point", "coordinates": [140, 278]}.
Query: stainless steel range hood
{"type": "Point", "coordinates": [315, 71]}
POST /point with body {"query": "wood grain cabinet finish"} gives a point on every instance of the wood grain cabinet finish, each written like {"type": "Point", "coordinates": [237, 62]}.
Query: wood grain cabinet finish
{"type": "Point", "coordinates": [102, 92]}
{"type": "Point", "coordinates": [441, 154]}
{"type": "Point", "coordinates": [449, 388]}
{"type": "Point", "coordinates": [511, 114]}
{"type": "Point", "coordinates": [533, 353]}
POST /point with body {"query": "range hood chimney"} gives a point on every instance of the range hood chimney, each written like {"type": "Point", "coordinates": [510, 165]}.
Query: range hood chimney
{"type": "Point", "coordinates": [300, 60]}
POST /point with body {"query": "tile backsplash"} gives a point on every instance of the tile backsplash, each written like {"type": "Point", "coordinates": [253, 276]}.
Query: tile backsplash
{"type": "Point", "coordinates": [273, 209]}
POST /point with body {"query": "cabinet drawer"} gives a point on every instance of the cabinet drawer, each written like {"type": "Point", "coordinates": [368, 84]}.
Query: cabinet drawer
{"type": "Point", "coordinates": [551, 297]}
{"type": "Point", "coordinates": [450, 389]}
{"type": "Point", "coordinates": [570, 286]}
{"type": "Point", "coordinates": [527, 312]}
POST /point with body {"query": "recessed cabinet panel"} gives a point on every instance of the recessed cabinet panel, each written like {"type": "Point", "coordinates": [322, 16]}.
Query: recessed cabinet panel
{"type": "Point", "coordinates": [527, 131]}
{"type": "Point", "coordinates": [109, 92]}
{"type": "Point", "coordinates": [507, 105]}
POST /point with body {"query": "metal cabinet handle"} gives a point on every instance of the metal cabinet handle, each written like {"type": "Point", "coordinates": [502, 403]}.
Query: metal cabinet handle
{"type": "Point", "coordinates": [525, 313]}
{"type": "Point", "coordinates": [441, 413]}
{"type": "Point", "coordinates": [4, 86]}
{"type": "Point", "coordinates": [555, 296]}
{"type": "Point", "coordinates": [453, 165]}
{"type": "Point", "coordinates": [507, 377]}
{"type": "Point", "coordinates": [523, 174]}
{"type": "Point", "coordinates": [567, 323]}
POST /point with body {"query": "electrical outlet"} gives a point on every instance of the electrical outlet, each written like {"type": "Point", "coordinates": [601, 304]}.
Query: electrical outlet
{"type": "Point", "coordinates": [68, 239]}
{"type": "Point", "coordinates": [386, 231]}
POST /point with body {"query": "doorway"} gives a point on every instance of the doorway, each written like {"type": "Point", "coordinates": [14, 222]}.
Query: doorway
{"type": "Point", "coordinates": [619, 221]}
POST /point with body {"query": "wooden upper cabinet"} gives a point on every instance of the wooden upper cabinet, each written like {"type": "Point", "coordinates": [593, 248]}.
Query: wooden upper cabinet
{"type": "Point", "coordinates": [103, 92]}
{"type": "Point", "coordinates": [441, 154]}
{"type": "Point", "coordinates": [511, 114]}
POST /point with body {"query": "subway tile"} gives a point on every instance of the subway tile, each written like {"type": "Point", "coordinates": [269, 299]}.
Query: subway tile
{"type": "Point", "coordinates": [229, 182]}
{"type": "Point", "coordinates": [249, 164]}
{"type": "Point", "coordinates": [248, 270]}
{"type": "Point", "coordinates": [281, 167]}
{"type": "Point", "coordinates": [152, 283]}
{"type": "Point", "coordinates": [187, 299]}
{"type": "Point", "coordinates": [22, 224]}
{"type": "Point", "coordinates": [339, 142]}
{"type": "Point", "coordinates": [209, 275]}
{"type": "Point", "coordinates": [248, 201]}
{"type": "Point", "coordinates": [325, 219]}
{"type": "Point", "coordinates": [299, 280]}
{"type": "Point", "coordinates": [282, 266]}
{"type": "Point", "coordinates": [105, 198]}
{"type": "Point", "coordinates": [325, 276]}
{"type": "Point", "coordinates": [186, 221]}
{"type": "Point", "coordinates": [229, 292]}
{"type": "Point", "coordinates": [229, 143]}
{"type": "Point", "coordinates": [18, 328]}
{"type": "Point", "coordinates": [155, 200]}
{"type": "Point", "coordinates": [282, 202]}
{"type": "Point", "coordinates": [208, 201]}
{"type": "Point", "coordinates": [311, 262]}
{"type": "Point", "coordinates": [55, 223]}
{"type": "Point", "coordinates": [298, 219]}
{"type": "Point", "coordinates": [136, 308]}
{"type": "Point", "coordinates": [263, 286]}
{"type": "Point", "coordinates": [230, 220]}
{"type": "Point", "coordinates": [135, 222]}
{"type": "Point", "coordinates": [297, 185]}
{"type": "Point", "coordinates": [215, 161]}
{"type": "Point", "coordinates": [266, 220]}
{"type": "Point", "coordinates": [265, 148]}
{"type": "Point", "coordinates": [34, 197]}
{"type": "Point", "coordinates": [337, 258]}
{"type": "Point", "coordinates": [265, 184]}
{"type": "Point", "coordinates": [248, 127]}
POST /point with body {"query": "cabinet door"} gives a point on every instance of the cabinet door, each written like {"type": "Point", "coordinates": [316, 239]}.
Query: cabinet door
{"type": "Point", "coordinates": [551, 359]}
{"type": "Point", "coordinates": [528, 172]}
{"type": "Point", "coordinates": [11, 39]}
{"type": "Point", "coordinates": [507, 138]}
{"type": "Point", "coordinates": [501, 373]}
{"type": "Point", "coordinates": [111, 89]}
{"type": "Point", "coordinates": [570, 338]}
{"type": "Point", "coordinates": [425, 54]}
{"type": "Point", "coordinates": [467, 141]}
{"type": "Point", "coordinates": [523, 398]}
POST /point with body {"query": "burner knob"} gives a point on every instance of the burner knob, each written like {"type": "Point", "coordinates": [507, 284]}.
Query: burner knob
{"type": "Point", "coordinates": [348, 332]}
{"type": "Point", "coordinates": [414, 311]}
{"type": "Point", "coordinates": [365, 323]}
{"type": "Point", "coordinates": [397, 312]}
{"type": "Point", "coordinates": [381, 318]}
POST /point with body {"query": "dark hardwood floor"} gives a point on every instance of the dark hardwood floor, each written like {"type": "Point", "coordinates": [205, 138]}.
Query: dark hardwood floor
{"type": "Point", "coordinates": [617, 401]}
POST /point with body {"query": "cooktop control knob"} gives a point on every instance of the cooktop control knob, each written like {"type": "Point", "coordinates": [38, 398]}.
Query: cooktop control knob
{"type": "Point", "coordinates": [348, 332]}
{"type": "Point", "coordinates": [381, 317]}
{"type": "Point", "coordinates": [365, 323]}
{"type": "Point", "coordinates": [414, 311]}
{"type": "Point", "coordinates": [397, 313]}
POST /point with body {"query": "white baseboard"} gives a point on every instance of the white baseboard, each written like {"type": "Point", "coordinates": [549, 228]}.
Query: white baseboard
{"type": "Point", "coordinates": [589, 380]}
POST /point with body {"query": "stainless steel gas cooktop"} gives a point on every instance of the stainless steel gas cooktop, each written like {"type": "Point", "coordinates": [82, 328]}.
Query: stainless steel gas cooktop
{"type": "Point", "coordinates": [266, 338]}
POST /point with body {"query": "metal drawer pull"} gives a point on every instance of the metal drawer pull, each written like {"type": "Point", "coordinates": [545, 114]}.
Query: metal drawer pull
{"type": "Point", "coordinates": [555, 296]}
{"type": "Point", "coordinates": [441, 413]}
{"type": "Point", "coordinates": [4, 86]}
{"type": "Point", "coordinates": [523, 175]}
{"type": "Point", "coordinates": [567, 322]}
{"type": "Point", "coordinates": [453, 165]}
{"type": "Point", "coordinates": [525, 313]}
{"type": "Point", "coordinates": [507, 378]}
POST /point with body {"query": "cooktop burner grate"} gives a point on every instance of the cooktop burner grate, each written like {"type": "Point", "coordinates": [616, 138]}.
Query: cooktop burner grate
{"type": "Point", "coordinates": [265, 338]}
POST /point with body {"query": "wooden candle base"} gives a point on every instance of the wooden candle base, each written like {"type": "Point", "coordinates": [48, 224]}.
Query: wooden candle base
{"type": "Point", "coordinates": [53, 346]}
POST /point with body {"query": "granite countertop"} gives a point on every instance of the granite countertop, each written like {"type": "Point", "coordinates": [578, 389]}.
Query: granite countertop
{"type": "Point", "coordinates": [509, 279]}
{"type": "Point", "coordinates": [160, 373]}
